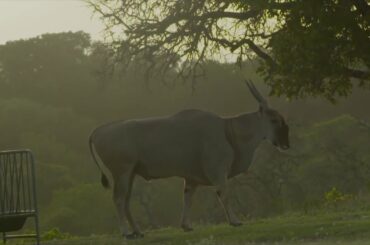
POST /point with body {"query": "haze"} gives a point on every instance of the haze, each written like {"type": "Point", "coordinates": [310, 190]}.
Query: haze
{"type": "Point", "coordinates": [22, 19]}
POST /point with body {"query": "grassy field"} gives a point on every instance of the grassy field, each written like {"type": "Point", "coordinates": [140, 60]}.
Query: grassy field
{"type": "Point", "coordinates": [318, 228]}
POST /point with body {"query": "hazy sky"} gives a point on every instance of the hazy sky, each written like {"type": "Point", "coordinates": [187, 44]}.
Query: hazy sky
{"type": "Point", "coordinates": [20, 19]}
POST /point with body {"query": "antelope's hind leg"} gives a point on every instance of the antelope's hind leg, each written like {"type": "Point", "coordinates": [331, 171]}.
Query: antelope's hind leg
{"type": "Point", "coordinates": [189, 190]}
{"type": "Point", "coordinates": [121, 196]}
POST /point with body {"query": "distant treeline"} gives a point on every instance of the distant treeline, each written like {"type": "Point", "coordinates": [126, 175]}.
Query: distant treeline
{"type": "Point", "coordinates": [56, 88]}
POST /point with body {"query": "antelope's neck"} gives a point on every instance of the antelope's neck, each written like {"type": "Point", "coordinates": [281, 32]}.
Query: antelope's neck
{"type": "Point", "coordinates": [244, 134]}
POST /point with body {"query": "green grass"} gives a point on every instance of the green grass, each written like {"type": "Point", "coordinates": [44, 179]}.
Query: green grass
{"type": "Point", "coordinates": [319, 228]}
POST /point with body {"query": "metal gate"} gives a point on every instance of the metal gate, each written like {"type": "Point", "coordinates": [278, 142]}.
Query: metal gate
{"type": "Point", "coordinates": [17, 194]}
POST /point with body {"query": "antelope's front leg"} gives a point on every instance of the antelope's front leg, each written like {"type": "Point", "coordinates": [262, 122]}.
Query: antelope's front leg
{"type": "Point", "coordinates": [224, 198]}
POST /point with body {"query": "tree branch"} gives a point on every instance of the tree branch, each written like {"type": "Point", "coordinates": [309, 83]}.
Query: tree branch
{"type": "Point", "coordinates": [358, 73]}
{"type": "Point", "coordinates": [231, 15]}
{"type": "Point", "coordinates": [258, 51]}
{"type": "Point", "coordinates": [165, 23]}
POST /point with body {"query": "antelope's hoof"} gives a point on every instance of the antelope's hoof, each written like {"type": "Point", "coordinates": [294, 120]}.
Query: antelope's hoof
{"type": "Point", "coordinates": [134, 235]}
{"type": "Point", "coordinates": [187, 228]}
{"type": "Point", "coordinates": [236, 224]}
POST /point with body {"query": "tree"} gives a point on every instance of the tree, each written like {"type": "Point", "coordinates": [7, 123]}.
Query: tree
{"type": "Point", "coordinates": [305, 48]}
{"type": "Point", "coordinates": [53, 68]}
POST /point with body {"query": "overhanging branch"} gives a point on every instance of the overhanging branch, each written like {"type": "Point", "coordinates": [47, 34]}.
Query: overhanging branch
{"type": "Point", "coordinates": [168, 21]}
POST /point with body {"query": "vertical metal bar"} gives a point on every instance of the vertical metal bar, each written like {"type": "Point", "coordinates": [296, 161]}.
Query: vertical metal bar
{"type": "Point", "coordinates": [29, 206]}
{"type": "Point", "coordinates": [12, 173]}
{"type": "Point", "coordinates": [37, 228]}
{"type": "Point", "coordinates": [2, 191]}
{"type": "Point", "coordinates": [15, 163]}
{"type": "Point", "coordinates": [23, 187]}
{"type": "Point", "coordinates": [4, 185]}
{"type": "Point", "coordinates": [14, 183]}
{"type": "Point", "coordinates": [18, 163]}
{"type": "Point", "coordinates": [6, 205]}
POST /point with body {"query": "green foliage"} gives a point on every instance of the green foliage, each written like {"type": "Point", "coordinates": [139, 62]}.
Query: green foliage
{"type": "Point", "coordinates": [314, 49]}
{"type": "Point", "coordinates": [335, 197]}
{"type": "Point", "coordinates": [85, 208]}
{"type": "Point", "coordinates": [55, 234]}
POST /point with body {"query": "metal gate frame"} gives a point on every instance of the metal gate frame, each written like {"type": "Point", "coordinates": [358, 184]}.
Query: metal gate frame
{"type": "Point", "coordinates": [18, 199]}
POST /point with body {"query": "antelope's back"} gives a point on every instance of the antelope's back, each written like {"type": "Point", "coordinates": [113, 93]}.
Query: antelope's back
{"type": "Point", "coordinates": [174, 145]}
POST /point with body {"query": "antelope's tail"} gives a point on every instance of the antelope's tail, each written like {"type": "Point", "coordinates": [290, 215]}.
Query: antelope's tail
{"type": "Point", "coordinates": [104, 179]}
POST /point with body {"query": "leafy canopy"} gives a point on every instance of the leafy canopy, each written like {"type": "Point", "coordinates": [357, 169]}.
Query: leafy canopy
{"type": "Point", "coordinates": [305, 48]}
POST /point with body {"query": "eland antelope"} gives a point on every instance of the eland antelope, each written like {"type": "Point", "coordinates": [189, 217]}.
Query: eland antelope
{"type": "Point", "coordinates": [198, 146]}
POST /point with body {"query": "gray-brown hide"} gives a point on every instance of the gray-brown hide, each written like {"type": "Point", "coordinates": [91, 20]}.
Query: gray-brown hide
{"type": "Point", "coordinates": [199, 146]}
